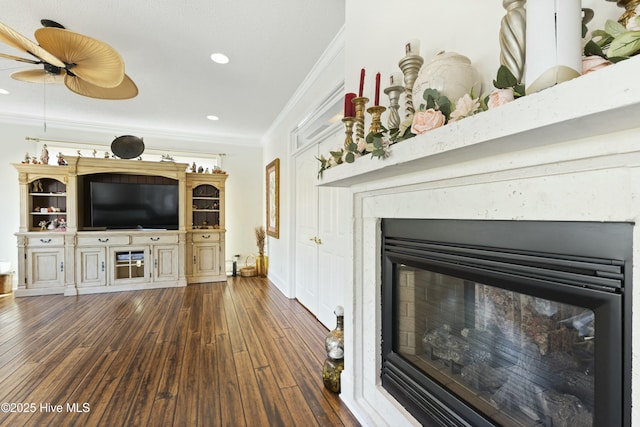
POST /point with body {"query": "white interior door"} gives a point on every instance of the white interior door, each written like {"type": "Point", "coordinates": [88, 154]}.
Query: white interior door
{"type": "Point", "coordinates": [306, 211]}
{"type": "Point", "coordinates": [322, 237]}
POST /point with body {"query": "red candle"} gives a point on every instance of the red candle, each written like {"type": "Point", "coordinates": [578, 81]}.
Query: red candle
{"type": "Point", "coordinates": [349, 108]}
{"type": "Point", "coordinates": [377, 99]}
{"type": "Point", "coordinates": [361, 82]}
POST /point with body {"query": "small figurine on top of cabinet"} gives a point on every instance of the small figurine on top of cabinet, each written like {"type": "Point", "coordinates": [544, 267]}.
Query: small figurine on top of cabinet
{"type": "Point", "coordinates": [44, 155]}
{"type": "Point", "coordinates": [61, 160]}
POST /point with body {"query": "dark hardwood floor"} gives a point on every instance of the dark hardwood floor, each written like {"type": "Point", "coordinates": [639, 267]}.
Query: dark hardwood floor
{"type": "Point", "coordinates": [218, 354]}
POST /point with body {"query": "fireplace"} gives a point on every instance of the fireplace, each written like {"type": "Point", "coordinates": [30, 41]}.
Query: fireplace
{"type": "Point", "coordinates": [523, 323]}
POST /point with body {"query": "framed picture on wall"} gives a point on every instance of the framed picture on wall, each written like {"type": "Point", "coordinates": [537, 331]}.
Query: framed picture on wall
{"type": "Point", "coordinates": [273, 198]}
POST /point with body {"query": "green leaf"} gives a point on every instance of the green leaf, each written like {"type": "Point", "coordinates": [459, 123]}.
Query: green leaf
{"type": "Point", "coordinates": [377, 142]}
{"type": "Point", "coordinates": [592, 48]}
{"type": "Point", "coordinates": [625, 44]}
{"type": "Point", "coordinates": [504, 78]}
{"type": "Point", "coordinates": [353, 147]}
{"type": "Point", "coordinates": [615, 59]}
{"type": "Point", "coordinates": [433, 93]}
{"type": "Point", "coordinates": [350, 157]}
{"type": "Point", "coordinates": [601, 38]}
{"type": "Point", "coordinates": [614, 28]}
{"type": "Point", "coordinates": [518, 91]}
{"type": "Point", "coordinates": [369, 138]}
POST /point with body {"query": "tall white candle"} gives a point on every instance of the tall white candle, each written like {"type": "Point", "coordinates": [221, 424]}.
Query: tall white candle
{"type": "Point", "coordinates": [412, 47]}
{"type": "Point", "coordinates": [553, 43]}
{"type": "Point", "coordinates": [396, 79]}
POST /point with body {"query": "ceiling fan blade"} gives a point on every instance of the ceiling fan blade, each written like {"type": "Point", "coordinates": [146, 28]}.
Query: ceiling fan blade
{"type": "Point", "coordinates": [20, 42]}
{"type": "Point", "coordinates": [38, 76]}
{"type": "Point", "coordinates": [125, 90]}
{"type": "Point", "coordinates": [17, 58]}
{"type": "Point", "coordinates": [93, 60]}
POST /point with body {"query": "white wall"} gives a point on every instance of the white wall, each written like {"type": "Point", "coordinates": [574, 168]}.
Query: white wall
{"type": "Point", "coordinates": [327, 74]}
{"type": "Point", "coordinates": [242, 163]}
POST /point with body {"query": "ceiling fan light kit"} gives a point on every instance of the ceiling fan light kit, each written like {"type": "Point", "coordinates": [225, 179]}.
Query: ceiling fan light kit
{"type": "Point", "coordinates": [86, 66]}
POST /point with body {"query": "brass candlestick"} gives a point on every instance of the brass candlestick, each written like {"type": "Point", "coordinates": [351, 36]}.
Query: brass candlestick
{"type": "Point", "coordinates": [348, 131]}
{"type": "Point", "coordinates": [410, 66]}
{"type": "Point", "coordinates": [359, 103]}
{"type": "Point", "coordinates": [393, 92]}
{"type": "Point", "coordinates": [376, 112]}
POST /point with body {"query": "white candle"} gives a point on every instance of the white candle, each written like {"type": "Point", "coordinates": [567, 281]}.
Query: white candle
{"type": "Point", "coordinates": [553, 43]}
{"type": "Point", "coordinates": [412, 47]}
{"type": "Point", "coordinates": [396, 79]}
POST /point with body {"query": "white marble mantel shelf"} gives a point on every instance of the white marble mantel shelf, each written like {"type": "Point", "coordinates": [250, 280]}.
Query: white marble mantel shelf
{"type": "Point", "coordinates": [595, 104]}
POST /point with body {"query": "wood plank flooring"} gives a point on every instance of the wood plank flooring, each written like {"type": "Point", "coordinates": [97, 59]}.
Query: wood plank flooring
{"type": "Point", "coordinates": [219, 354]}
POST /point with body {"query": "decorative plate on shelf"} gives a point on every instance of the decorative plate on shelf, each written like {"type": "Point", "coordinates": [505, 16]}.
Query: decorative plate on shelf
{"type": "Point", "coordinates": [127, 146]}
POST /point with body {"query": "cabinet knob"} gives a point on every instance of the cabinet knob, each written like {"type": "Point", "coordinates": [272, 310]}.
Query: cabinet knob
{"type": "Point", "coordinates": [154, 239]}
{"type": "Point", "coordinates": [101, 240]}
{"type": "Point", "coordinates": [316, 240]}
{"type": "Point", "coordinates": [206, 236]}
{"type": "Point", "coordinates": [45, 240]}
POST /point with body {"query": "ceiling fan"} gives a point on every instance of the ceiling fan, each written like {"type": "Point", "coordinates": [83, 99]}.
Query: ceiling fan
{"type": "Point", "coordinates": [83, 64]}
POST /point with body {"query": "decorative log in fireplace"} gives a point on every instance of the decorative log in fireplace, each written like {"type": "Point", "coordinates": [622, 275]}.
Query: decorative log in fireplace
{"type": "Point", "coordinates": [507, 322]}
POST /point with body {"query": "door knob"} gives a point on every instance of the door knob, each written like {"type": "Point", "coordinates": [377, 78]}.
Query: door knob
{"type": "Point", "coordinates": [316, 240]}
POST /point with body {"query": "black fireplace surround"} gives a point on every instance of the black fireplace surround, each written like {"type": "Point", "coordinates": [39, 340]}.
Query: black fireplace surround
{"type": "Point", "coordinates": [524, 323]}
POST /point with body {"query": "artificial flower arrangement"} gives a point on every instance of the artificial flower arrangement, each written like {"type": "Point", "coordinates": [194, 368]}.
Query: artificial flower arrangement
{"type": "Point", "coordinates": [435, 110]}
{"type": "Point", "coordinates": [615, 43]}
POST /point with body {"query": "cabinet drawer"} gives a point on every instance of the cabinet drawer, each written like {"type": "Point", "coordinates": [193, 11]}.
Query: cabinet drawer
{"type": "Point", "coordinates": [206, 237]}
{"type": "Point", "coordinates": [156, 239]}
{"type": "Point", "coordinates": [103, 240]}
{"type": "Point", "coordinates": [46, 241]}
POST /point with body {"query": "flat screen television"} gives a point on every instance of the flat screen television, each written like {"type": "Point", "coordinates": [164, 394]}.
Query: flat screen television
{"type": "Point", "coordinates": [115, 205]}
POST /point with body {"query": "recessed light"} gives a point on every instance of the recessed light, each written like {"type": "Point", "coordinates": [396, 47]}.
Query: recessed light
{"type": "Point", "coordinates": [4, 92]}
{"type": "Point", "coordinates": [219, 58]}
{"type": "Point", "coordinates": [214, 118]}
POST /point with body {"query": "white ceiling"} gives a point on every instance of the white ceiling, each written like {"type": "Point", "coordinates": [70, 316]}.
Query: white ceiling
{"type": "Point", "coordinates": [166, 46]}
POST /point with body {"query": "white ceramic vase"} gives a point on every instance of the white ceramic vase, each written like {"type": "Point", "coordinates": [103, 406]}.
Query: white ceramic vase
{"type": "Point", "coordinates": [449, 73]}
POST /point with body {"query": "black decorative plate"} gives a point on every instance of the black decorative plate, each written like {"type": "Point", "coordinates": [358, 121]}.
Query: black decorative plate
{"type": "Point", "coordinates": [127, 146]}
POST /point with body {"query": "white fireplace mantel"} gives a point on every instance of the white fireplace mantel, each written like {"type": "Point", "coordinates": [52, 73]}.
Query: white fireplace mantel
{"type": "Point", "coordinates": [568, 153]}
{"type": "Point", "coordinates": [595, 104]}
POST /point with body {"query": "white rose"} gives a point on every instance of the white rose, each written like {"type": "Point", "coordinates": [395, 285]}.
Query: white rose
{"type": "Point", "coordinates": [465, 106]}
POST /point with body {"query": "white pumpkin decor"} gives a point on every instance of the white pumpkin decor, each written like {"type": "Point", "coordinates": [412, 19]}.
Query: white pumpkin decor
{"type": "Point", "coordinates": [449, 73]}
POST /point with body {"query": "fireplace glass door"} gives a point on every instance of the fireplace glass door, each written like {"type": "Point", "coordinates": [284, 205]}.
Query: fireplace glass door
{"type": "Point", "coordinates": [476, 335]}
{"type": "Point", "coordinates": [515, 357]}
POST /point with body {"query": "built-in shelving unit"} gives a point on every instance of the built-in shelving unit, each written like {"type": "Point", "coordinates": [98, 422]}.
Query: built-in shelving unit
{"type": "Point", "coordinates": [206, 234]}
{"type": "Point", "coordinates": [59, 253]}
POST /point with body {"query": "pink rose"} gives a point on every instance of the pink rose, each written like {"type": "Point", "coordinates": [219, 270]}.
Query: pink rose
{"type": "Point", "coordinates": [427, 120]}
{"type": "Point", "coordinates": [500, 97]}
{"type": "Point", "coordinates": [593, 63]}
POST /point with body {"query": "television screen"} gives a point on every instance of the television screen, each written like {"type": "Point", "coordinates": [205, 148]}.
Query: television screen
{"type": "Point", "coordinates": [126, 205]}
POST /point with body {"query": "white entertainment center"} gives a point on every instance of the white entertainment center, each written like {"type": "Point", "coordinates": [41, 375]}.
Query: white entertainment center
{"type": "Point", "coordinates": [60, 251]}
